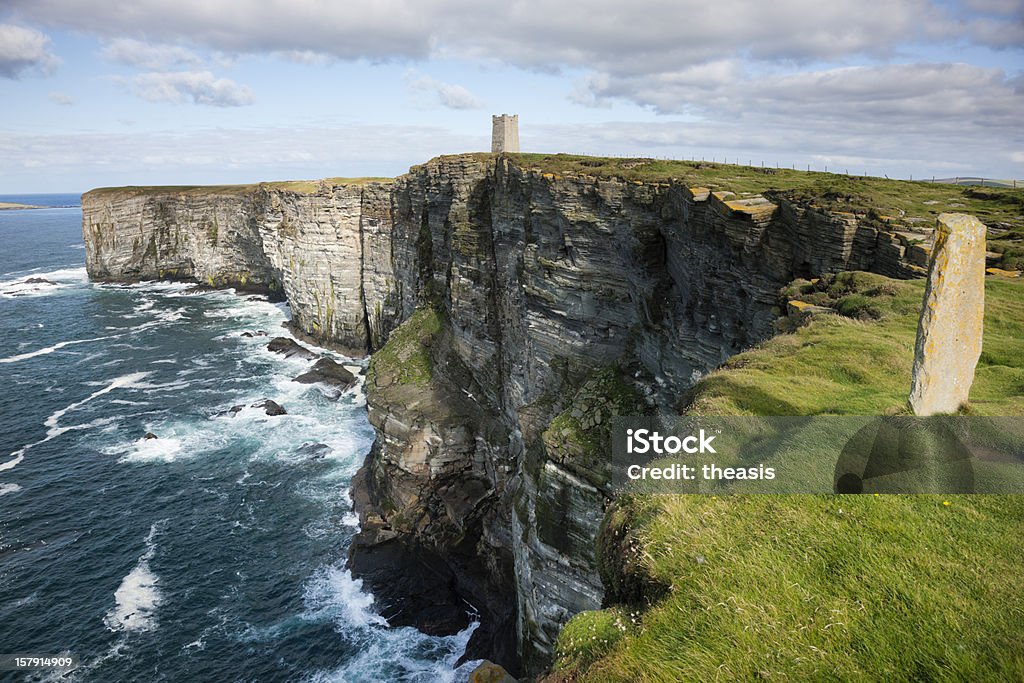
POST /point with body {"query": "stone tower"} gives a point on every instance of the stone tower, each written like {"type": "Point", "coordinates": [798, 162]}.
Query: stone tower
{"type": "Point", "coordinates": [505, 133]}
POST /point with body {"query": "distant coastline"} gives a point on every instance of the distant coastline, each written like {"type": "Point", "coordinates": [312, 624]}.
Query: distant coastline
{"type": "Point", "coordinates": [8, 206]}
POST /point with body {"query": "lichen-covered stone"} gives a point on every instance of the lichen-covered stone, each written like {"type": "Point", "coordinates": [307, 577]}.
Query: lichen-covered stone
{"type": "Point", "coordinates": [949, 334]}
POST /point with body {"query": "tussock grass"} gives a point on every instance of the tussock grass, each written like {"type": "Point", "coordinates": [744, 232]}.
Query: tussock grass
{"type": "Point", "coordinates": [809, 588]}
{"type": "Point", "coordinates": [842, 365]}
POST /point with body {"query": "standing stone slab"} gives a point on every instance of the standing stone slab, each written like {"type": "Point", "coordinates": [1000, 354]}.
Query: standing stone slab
{"type": "Point", "coordinates": [950, 330]}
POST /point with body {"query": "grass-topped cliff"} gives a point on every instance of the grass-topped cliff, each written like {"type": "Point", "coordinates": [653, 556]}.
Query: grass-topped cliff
{"type": "Point", "coordinates": [295, 186]}
{"type": "Point", "coordinates": [819, 587]}
{"type": "Point", "coordinates": [910, 203]}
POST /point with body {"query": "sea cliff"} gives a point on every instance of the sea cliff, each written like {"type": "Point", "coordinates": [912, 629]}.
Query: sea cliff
{"type": "Point", "coordinates": [510, 311]}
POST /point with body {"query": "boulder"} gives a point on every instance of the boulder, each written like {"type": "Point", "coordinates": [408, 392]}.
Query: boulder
{"type": "Point", "coordinates": [289, 348]}
{"type": "Point", "coordinates": [150, 435]}
{"type": "Point", "coordinates": [489, 672]}
{"type": "Point", "coordinates": [327, 371]}
{"type": "Point", "coordinates": [271, 408]}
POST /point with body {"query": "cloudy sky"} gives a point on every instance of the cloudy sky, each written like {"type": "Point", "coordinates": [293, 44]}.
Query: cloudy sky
{"type": "Point", "coordinates": [222, 91]}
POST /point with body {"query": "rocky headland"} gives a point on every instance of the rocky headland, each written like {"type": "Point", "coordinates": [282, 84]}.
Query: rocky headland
{"type": "Point", "coordinates": [510, 311]}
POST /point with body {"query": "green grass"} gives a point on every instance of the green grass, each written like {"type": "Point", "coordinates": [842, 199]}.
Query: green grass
{"type": "Point", "coordinates": [902, 201]}
{"type": "Point", "coordinates": [849, 365]}
{"type": "Point", "coordinates": [809, 588]}
{"type": "Point", "coordinates": [575, 440]}
{"type": "Point", "coordinates": [405, 359]}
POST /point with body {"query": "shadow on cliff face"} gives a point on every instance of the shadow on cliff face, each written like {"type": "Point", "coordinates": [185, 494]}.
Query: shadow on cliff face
{"type": "Point", "coordinates": [439, 592]}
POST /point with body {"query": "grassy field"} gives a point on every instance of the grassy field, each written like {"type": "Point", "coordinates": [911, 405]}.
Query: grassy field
{"type": "Point", "coordinates": [821, 588]}
{"type": "Point", "coordinates": [816, 588]}
{"type": "Point", "coordinates": [859, 363]}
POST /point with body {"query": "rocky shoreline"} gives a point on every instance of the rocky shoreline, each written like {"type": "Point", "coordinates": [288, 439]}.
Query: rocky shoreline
{"type": "Point", "coordinates": [509, 313]}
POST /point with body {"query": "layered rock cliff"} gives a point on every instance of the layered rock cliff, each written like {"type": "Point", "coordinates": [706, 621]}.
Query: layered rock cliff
{"type": "Point", "coordinates": [511, 313]}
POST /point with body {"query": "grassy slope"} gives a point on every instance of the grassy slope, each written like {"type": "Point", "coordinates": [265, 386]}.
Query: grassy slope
{"type": "Point", "coordinates": [839, 365]}
{"type": "Point", "coordinates": [820, 587]}
{"type": "Point", "coordinates": [802, 588]}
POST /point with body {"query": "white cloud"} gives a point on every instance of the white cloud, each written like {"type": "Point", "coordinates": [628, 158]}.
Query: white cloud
{"type": "Point", "coordinates": [448, 95]}
{"type": "Point", "coordinates": [310, 57]}
{"type": "Point", "coordinates": [199, 87]}
{"type": "Point", "coordinates": [892, 100]}
{"type": "Point", "coordinates": [148, 55]}
{"type": "Point", "coordinates": [610, 35]}
{"type": "Point", "coordinates": [25, 51]}
{"type": "Point", "coordinates": [62, 99]}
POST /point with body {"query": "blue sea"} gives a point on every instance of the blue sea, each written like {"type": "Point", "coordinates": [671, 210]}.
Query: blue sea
{"type": "Point", "coordinates": [215, 552]}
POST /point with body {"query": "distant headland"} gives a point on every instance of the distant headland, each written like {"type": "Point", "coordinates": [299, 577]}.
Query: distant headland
{"type": "Point", "coordinates": [4, 206]}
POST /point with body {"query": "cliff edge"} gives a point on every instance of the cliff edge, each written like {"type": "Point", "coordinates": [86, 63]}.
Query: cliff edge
{"type": "Point", "coordinates": [511, 308]}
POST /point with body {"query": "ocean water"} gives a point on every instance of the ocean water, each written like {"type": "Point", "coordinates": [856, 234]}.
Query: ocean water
{"type": "Point", "coordinates": [212, 553]}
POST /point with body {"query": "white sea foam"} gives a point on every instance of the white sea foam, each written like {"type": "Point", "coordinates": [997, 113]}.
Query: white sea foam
{"type": "Point", "coordinates": [9, 488]}
{"type": "Point", "coordinates": [148, 450]}
{"type": "Point", "coordinates": [19, 455]}
{"type": "Point", "coordinates": [50, 349]}
{"type": "Point", "coordinates": [333, 594]}
{"type": "Point", "coordinates": [138, 597]}
{"type": "Point", "coordinates": [123, 382]}
{"type": "Point", "coordinates": [53, 428]}
{"type": "Point", "coordinates": [48, 282]}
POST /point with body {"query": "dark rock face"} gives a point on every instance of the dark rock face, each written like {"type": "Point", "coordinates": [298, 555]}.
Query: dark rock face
{"type": "Point", "coordinates": [327, 371]}
{"type": "Point", "coordinates": [289, 348]}
{"type": "Point", "coordinates": [493, 298]}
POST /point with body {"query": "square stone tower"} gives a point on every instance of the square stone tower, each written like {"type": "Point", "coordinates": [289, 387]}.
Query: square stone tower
{"type": "Point", "coordinates": [505, 133]}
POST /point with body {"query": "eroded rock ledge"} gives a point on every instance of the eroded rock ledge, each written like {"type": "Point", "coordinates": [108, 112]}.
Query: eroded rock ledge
{"type": "Point", "coordinates": [511, 313]}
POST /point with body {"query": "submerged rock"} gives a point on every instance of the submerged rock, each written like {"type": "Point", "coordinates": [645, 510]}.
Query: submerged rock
{"type": "Point", "coordinates": [289, 348]}
{"type": "Point", "coordinates": [327, 371]}
{"type": "Point", "coordinates": [272, 408]}
{"type": "Point", "coordinates": [313, 450]}
{"type": "Point", "coordinates": [150, 435]}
